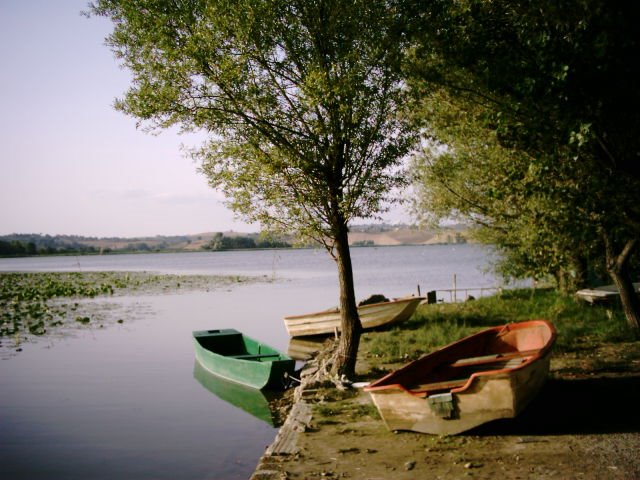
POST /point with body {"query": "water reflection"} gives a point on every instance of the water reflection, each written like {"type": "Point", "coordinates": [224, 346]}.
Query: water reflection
{"type": "Point", "coordinates": [305, 348]}
{"type": "Point", "coordinates": [253, 401]}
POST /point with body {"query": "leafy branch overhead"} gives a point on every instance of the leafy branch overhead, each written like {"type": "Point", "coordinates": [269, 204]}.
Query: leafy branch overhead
{"type": "Point", "coordinates": [538, 106]}
{"type": "Point", "coordinates": [530, 111]}
{"type": "Point", "coordinates": [302, 100]}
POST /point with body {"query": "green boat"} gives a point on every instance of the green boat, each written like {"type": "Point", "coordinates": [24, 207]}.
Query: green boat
{"type": "Point", "coordinates": [236, 357]}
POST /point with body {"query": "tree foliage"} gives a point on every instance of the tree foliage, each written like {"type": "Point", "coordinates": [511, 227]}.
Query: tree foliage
{"type": "Point", "coordinates": [523, 205]}
{"type": "Point", "coordinates": [539, 106]}
{"type": "Point", "coordinates": [301, 100]}
{"type": "Point", "coordinates": [236, 242]}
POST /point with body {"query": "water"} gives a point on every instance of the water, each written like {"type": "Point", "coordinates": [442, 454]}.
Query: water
{"type": "Point", "coordinates": [127, 401]}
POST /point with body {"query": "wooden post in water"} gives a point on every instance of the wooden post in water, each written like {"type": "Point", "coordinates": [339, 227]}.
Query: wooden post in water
{"type": "Point", "coordinates": [455, 299]}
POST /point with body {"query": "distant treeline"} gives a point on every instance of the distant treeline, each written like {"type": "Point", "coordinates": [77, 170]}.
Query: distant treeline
{"type": "Point", "coordinates": [25, 244]}
{"type": "Point", "coordinates": [222, 242]}
{"type": "Point", "coordinates": [40, 245]}
{"type": "Point", "coordinates": [22, 245]}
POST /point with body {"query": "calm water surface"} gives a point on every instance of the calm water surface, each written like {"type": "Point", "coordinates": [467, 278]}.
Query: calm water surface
{"type": "Point", "coordinates": [127, 401]}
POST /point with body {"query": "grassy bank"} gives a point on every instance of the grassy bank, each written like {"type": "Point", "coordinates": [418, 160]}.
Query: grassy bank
{"type": "Point", "coordinates": [37, 303]}
{"type": "Point", "coordinates": [579, 325]}
{"type": "Point", "coordinates": [571, 430]}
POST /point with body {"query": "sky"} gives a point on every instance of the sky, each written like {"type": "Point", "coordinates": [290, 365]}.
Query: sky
{"type": "Point", "coordinates": [71, 164]}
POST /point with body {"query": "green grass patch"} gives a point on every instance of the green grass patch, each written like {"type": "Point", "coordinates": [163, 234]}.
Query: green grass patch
{"type": "Point", "coordinates": [346, 408]}
{"type": "Point", "coordinates": [579, 324]}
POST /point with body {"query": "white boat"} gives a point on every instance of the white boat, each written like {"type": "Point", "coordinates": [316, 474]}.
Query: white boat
{"type": "Point", "coordinates": [372, 316]}
{"type": "Point", "coordinates": [305, 348]}
{"type": "Point", "coordinates": [602, 294]}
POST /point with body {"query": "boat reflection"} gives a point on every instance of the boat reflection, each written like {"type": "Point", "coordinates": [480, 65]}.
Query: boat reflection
{"type": "Point", "coordinates": [251, 400]}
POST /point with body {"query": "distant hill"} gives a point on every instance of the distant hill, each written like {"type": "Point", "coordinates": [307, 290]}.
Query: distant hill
{"type": "Point", "coordinates": [406, 235]}
{"type": "Point", "coordinates": [360, 235]}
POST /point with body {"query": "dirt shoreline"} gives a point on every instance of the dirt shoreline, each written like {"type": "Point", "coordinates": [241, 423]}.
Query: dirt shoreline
{"type": "Point", "coordinates": [585, 424]}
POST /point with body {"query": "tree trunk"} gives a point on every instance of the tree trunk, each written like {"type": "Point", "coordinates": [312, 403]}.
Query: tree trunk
{"type": "Point", "coordinates": [561, 280]}
{"type": "Point", "coordinates": [350, 321]}
{"type": "Point", "coordinates": [579, 274]}
{"type": "Point", "coordinates": [573, 277]}
{"type": "Point", "coordinates": [617, 266]}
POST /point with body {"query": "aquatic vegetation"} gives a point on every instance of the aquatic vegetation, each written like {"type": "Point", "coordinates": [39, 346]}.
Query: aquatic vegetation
{"type": "Point", "coordinates": [31, 302]}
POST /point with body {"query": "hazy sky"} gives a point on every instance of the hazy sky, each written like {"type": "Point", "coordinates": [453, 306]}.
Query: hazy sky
{"type": "Point", "coordinates": [71, 164]}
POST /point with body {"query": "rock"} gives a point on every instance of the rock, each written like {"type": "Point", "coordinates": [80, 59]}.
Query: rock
{"type": "Point", "coordinates": [410, 465]}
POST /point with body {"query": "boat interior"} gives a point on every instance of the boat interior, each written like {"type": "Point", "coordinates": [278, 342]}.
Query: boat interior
{"type": "Point", "coordinates": [457, 374]}
{"type": "Point", "coordinates": [233, 344]}
{"type": "Point", "coordinates": [493, 350]}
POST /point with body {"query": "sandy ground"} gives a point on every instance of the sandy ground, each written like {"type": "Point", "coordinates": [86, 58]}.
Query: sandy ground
{"type": "Point", "coordinates": [585, 424]}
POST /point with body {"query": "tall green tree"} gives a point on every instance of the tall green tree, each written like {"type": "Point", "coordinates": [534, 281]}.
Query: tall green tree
{"type": "Point", "coordinates": [301, 99]}
{"type": "Point", "coordinates": [517, 203]}
{"type": "Point", "coordinates": [554, 85]}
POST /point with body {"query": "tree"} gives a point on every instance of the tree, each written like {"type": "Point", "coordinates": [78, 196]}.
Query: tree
{"type": "Point", "coordinates": [524, 206]}
{"type": "Point", "coordinates": [301, 99]}
{"type": "Point", "coordinates": [554, 86]}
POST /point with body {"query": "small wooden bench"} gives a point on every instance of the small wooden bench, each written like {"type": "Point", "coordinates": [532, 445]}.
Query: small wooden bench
{"type": "Point", "coordinates": [255, 356]}
{"type": "Point", "coordinates": [469, 366]}
{"type": "Point", "coordinates": [493, 358]}
{"type": "Point", "coordinates": [436, 386]}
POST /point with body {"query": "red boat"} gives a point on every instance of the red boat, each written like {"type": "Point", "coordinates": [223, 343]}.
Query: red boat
{"type": "Point", "coordinates": [492, 374]}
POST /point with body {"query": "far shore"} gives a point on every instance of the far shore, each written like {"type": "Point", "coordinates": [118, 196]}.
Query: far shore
{"type": "Point", "coordinates": [20, 245]}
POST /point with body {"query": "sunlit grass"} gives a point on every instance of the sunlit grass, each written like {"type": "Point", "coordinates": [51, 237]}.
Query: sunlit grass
{"type": "Point", "coordinates": [432, 326]}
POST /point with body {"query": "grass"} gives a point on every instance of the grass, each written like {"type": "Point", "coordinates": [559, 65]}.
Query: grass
{"type": "Point", "coordinates": [579, 325]}
{"type": "Point", "coordinates": [343, 409]}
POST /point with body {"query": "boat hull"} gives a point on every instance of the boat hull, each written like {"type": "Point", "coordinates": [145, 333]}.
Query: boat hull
{"type": "Point", "coordinates": [496, 389]}
{"type": "Point", "coordinates": [371, 316]}
{"type": "Point", "coordinates": [602, 294]}
{"type": "Point", "coordinates": [238, 358]}
{"type": "Point", "coordinates": [305, 348]}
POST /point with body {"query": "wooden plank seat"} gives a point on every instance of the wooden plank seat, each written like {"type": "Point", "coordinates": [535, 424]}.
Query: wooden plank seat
{"type": "Point", "coordinates": [438, 386]}
{"type": "Point", "coordinates": [462, 369]}
{"type": "Point", "coordinates": [255, 357]}
{"type": "Point", "coordinates": [496, 357]}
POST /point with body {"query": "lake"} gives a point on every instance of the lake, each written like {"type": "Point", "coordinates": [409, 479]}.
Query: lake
{"type": "Point", "coordinates": [129, 401]}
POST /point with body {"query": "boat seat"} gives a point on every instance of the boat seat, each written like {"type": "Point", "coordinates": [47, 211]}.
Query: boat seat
{"type": "Point", "coordinates": [468, 367]}
{"type": "Point", "coordinates": [437, 386]}
{"type": "Point", "coordinates": [494, 358]}
{"type": "Point", "coordinates": [255, 356]}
